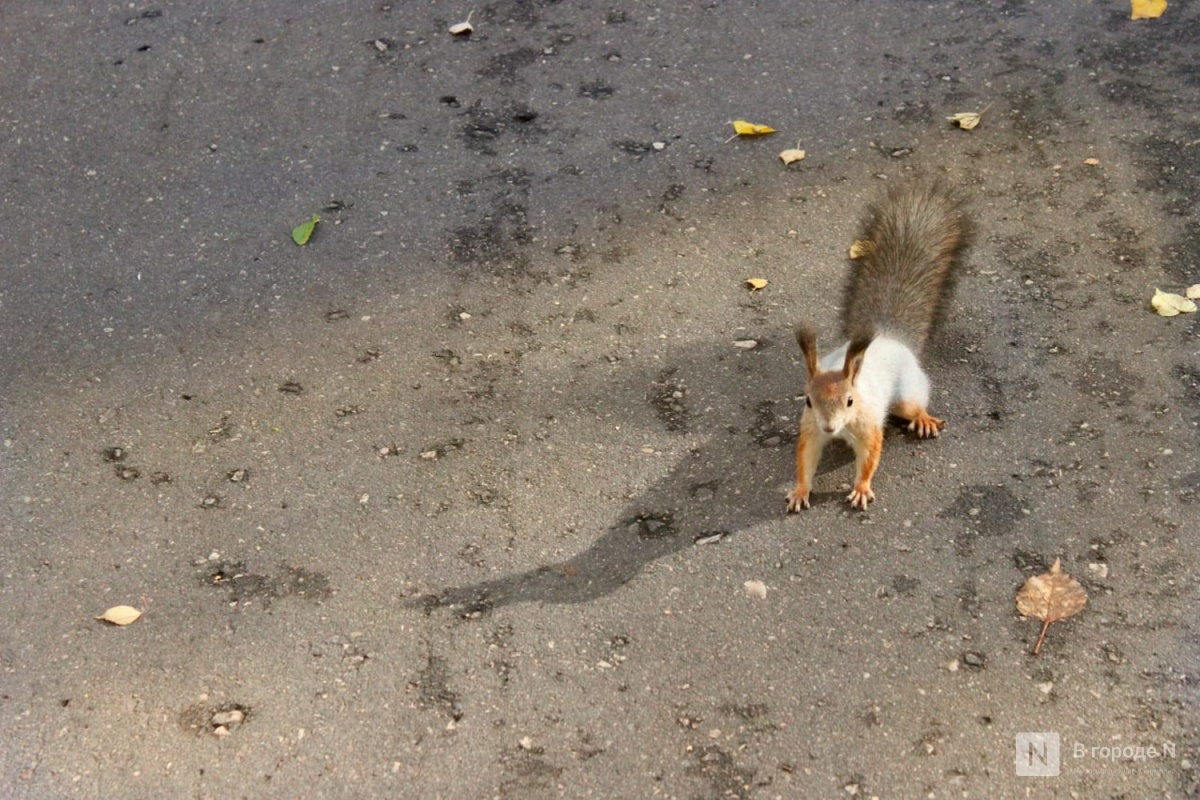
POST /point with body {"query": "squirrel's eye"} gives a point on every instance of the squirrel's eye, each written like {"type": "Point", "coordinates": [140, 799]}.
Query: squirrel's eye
{"type": "Point", "coordinates": [849, 402]}
{"type": "Point", "coordinates": [808, 401]}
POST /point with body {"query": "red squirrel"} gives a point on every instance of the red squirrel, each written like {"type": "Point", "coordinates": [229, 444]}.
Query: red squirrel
{"type": "Point", "coordinates": [908, 245]}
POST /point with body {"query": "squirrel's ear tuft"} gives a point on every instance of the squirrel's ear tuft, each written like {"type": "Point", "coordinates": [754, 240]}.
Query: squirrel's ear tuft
{"type": "Point", "coordinates": [806, 336]}
{"type": "Point", "coordinates": [854, 354]}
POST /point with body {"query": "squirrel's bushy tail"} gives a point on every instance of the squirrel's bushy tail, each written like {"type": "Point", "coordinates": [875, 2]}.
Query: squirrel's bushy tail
{"type": "Point", "coordinates": [913, 239]}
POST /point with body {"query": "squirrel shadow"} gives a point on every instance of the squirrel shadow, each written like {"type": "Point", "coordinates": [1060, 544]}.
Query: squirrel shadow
{"type": "Point", "coordinates": [734, 480]}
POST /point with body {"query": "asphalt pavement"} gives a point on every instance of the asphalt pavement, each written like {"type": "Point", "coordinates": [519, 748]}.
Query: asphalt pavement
{"type": "Point", "coordinates": [479, 493]}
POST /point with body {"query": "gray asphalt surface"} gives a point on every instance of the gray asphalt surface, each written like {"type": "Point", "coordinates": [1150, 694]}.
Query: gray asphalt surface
{"type": "Point", "coordinates": [460, 499]}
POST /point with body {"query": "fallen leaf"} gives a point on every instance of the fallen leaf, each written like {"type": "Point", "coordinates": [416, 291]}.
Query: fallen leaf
{"type": "Point", "coordinates": [756, 589]}
{"type": "Point", "coordinates": [1091, 162]}
{"type": "Point", "coordinates": [1170, 305]}
{"type": "Point", "coordinates": [968, 120]}
{"type": "Point", "coordinates": [1050, 597]}
{"type": "Point", "coordinates": [1147, 9]}
{"type": "Point", "coordinates": [746, 344]}
{"type": "Point", "coordinates": [303, 232]}
{"type": "Point", "coordinates": [860, 248]}
{"type": "Point", "coordinates": [1193, 292]}
{"type": "Point", "coordinates": [756, 283]}
{"type": "Point", "coordinates": [121, 615]}
{"type": "Point", "coordinates": [792, 156]}
{"type": "Point", "coordinates": [743, 128]}
{"type": "Point", "coordinates": [463, 28]}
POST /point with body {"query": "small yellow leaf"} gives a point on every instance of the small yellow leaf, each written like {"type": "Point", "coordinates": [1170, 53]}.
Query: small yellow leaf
{"type": "Point", "coordinates": [743, 128]}
{"type": "Point", "coordinates": [1147, 9]}
{"type": "Point", "coordinates": [1170, 305]}
{"type": "Point", "coordinates": [1193, 292]}
{"type": "Point", "coordinates": [756, 283]}
{"type": "Point", "coordinates": [1091, 162]}
{"type": "Point", "coordinates": [120, 615]}
{"type": "Point", "coordinates": [969, 120]}
{"type": "Point", "coordinates": [965, 120]}
{"type": "Point", "coordinates": [860, 248]}
{"type": "Point", "coordinates": [463, 28]}
{"type": "Point", "coordinates": [792, 156]}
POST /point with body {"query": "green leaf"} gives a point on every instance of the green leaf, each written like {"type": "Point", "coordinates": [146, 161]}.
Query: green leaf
{"type": "Point", "coordinates": [302, 233]}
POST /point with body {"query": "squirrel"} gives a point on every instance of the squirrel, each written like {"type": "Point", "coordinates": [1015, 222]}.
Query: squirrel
{"type": "Point", "coordinates": [909, 244]}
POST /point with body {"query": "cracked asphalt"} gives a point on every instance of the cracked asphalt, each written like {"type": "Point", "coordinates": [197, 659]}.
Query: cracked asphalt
{"type": "Point", "coordinates": [461, 499]}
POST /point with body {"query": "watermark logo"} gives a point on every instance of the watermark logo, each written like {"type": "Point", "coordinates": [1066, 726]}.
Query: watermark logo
{"type": "Point", "coordinates": [1038, 754]}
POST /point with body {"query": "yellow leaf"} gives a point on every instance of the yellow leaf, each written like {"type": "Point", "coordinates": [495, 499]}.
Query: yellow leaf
{"type": "Point", "coordinates": [1050, 597]}
{"type": "Point", "coordinates": [1193, 292]}
{"type": "Point", "coordinates": [1147, 9]}
{"type": "Point", "coordinates": [969, 120]}
{"type": "Point", "coordinates": [860, 248]}
{"type": "Point", "coordinates": [756, 283]}
{"type": "Point", "coordinates": [792, 156]}
{"type": "Point", "coordinates": [1091, 162]}
{"type": "Point", "coordinates": [121, 615]}
{"type": "Point", "coordinates": [743, 128]}
{"type": "Point", "coordinates": [463, 28]}
{"type": "Point", "coordinates": [1170, 305]}
{"type": "Point", "coordinates": [965, 120]}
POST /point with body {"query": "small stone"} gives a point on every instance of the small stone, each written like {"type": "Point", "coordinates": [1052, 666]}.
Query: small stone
{"type": "Point", "coordinates": [972, 659]}
{"type": "Point", "coordinates": [526, 743]}
{"type": "Point", "coordinates": [756, 589]}
{"type": "Point", "coordinates": [225, 718]}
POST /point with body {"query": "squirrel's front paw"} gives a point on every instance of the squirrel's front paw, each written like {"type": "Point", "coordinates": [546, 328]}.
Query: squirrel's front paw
{"type": "Point", "coordinates": [861, 495]}
{"type": "Point", "coordinates": [797, 499]}
{"type": "Point", "coordinates": [926, 426]}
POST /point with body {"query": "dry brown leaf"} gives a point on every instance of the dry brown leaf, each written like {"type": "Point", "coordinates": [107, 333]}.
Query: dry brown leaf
{"type": "Point", "coordinates": [792, 156]}
{"type": "Point", "coordinates": [1050, 597]}
{"type": "Point", "coordinates": [860, 248]}
{"type": "Point", "coordinates": [121, 615]}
